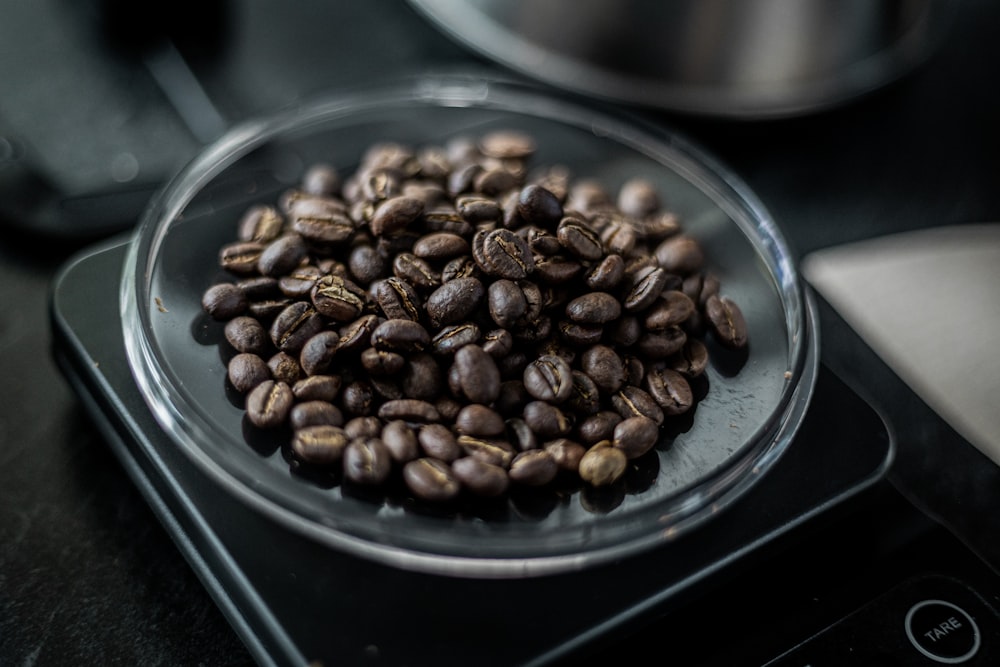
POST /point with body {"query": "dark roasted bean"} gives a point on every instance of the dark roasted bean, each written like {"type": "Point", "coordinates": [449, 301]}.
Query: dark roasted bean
{"type": "Point", "coordinates": [598, 426]}
{"type": "Point", "coordinates": [662, 344]}
{"type": "Point", "coordinates": [268, 404]}
{"type": "Point", "coordinates": [298, 283]}
{"type": "Point", "coordinates": [479, 420]}
{"type": "Point", "coordinates": [579, 239]}
{"type": "Point", "coordinates": [626, 331]}
{"type": "Point", "coordinates": [321, 179]}
{"type": "Point", "coordinates": [604, 367]}
{"type": "Point", "coordinates": [477, 209]}
{"type": "Point", "coordinates": [520, 434]}
{"type": "Point", "coordinates": [322, 220]}
{"type": "Point", "coordinates": [481, 478]}
{"type": "Point", "coordinates": [507, 144]}
{"type": "Point", "coordinates": [259, 288]}
{"type": "Point", "coordinates": [320, 445]}
{"type": "Point", "coordinates": [557, 270]}
{"type": "Point", "coordinates": [431, 480]}
{"type": "Point", "coordinates": [224, 301]}
{"type": "Point", "coordinates": [282, 255]}
{"type": "Point", "coordinates": [246, 370]}
{"type": "Point", "coordinates": [441, 246]}
{"type": "Point", "coordinates": [506, 255]}
{"type": "Point", "coordinates": [453, 337]}
{"type": "Point", "coordinates": [261, 223]}
{"type": "Point", "coordinates": [631, 401]}
{"type": "Point", "coordinates": [338, 298]}
{"type": "Point", "coordinates": [547, 420]}
{"type": "Point", "coordinates": [535, 467]}
{"type": "Point", "coordinates": [494, 181]}
{"type": "Point", "coordinates": [619, 237]}
{"type": "Point", "coordinates": [647, 289]}
{"type": "Point", "coordinates": [454, 301]}
{"type": "Point", "coordinates": [245, 334]}
{"type": "Point", "coordinates": [692, 360]}
{"type": "Point", "coordinates": [422, 377]}
{"type": "Point", "coordinates": [478, 375]}
{"type": "Point", "coordinates": [491, 450]}
{"type": "Point", "coordinates": [672, 308]}
{"type": "Point", "coordinates": [507, 302]}
{"type": "Point", "coordinates": [398, 300]}
{"type": "Point", "coordinates": [357, 398]}
{"type": "Point", "coordinates": [315, 413]}
{"type": "Point", "coordinates": [400, 440]}
{"type": "Point", "coordinates": [395, 214]}
{"type": "Point", "coordinates": [318, 352]}
{"type": "Point", "coordinates": [680, 254]}
{"type": "Point", "coordinates": [580, 334]}
{"type": "Point", "coordinates": [241, 257]}
{"type": "Point", "coordinates": [415, 271]}
{"type": "Point", "coordinates": [317, 388]}
{"type": "Point", "coordinates": [566, 453]}
{"type": "Point", "coordinates": [366, 264]}
{"type": "Point", "coordinates": [602, 465]}
{"type": "Point", "coordinates": [542, 242]}
{"type": "Point", "coordinates": [594, 308]}
{"type": "Point", "coordinates": [670, 390]}
{"type": "Point", "coordinates": [367, 461]}
{"type": "Point", "coordinates": [585, 398]}
{"type": "Point", "coordinates": [294, 325]}
{"type": "Point", "coordinates": [726, 321]}
{"type": "Point", "coordinates": [437, 441]}
{"type": "Point", "coordinates": [538, 206]}
{"type": "Point", "coordinates": [284, 368]}
{"type": "Point", "coordinates": [638, 197]}
{"type": "Point", "coordinates": [606, 274]}
{"type": "Point", "coordinates": [356, 336]}
{"type": "Point", "coordinates": [363, 427]}
{"type": "Point", "coordinates": [498, 343]}
{"type": "Point", "coordinates": [635, 436]}
{"type": "Point", "coordinates": [512, 397]}
{"type": "Point", "coordinates": [549, 378]}
{"type": "Point", "coordinates": [382, 362]}
{"type": "Point", "coordinates": [409, 409]}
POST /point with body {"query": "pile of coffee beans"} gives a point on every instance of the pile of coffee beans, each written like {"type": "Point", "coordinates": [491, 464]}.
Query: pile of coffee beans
{"type": "Point", "coordinates": [457, 318]}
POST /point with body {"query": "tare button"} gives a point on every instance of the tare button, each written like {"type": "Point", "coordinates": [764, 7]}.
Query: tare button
{"type": "Point", "coordinates": [942, 631]}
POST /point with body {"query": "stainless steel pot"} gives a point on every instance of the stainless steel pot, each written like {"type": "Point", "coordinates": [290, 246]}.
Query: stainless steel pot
{"type": "Point", "coordinates": [734, 58]}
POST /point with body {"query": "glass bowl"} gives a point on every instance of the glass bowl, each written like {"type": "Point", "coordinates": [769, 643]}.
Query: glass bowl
{"type": "Point", "coordinates": [747, 418]}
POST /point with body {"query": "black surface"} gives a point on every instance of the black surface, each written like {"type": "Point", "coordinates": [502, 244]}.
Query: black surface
{"type": "Point", "coordinates": [842, 450]}
{"type": "Point", "coordinates": [87, 575]}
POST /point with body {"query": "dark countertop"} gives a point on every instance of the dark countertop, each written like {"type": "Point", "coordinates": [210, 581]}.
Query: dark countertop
{"type": "Point", "coordinates": [87, 574]}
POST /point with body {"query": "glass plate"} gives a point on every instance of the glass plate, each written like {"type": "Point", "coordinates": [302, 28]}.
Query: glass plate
{"type": "Point", "coordinates": [746, 419]}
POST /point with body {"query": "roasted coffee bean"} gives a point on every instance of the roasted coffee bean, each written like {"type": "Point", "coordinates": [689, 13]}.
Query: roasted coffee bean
{"type": "Point", "coordinates": [627, 331]}
{"type": "Point", "coordinates": [479, 420]}
{"type": "Point", "coordinates": [538, 206]}
{"type": "Point", "coordinates": [386, 389]}
{"type": "Point", "coordinates": [400, 440]}
{"type": "Point", "coordinates": [298, 283]}
{"type": "Point", "coordinates": [417, 272]}
{"type": "Point", "coordinates": [635, 369]}
{"type": "Point", "coordinates": [320, 445]}
{"type": "Point", "coordinates": [321, 179]}
{"type": "Point", "coordinates": [507, 302]}
{"type": "Point", "coordinates": [381, 182]}
{"type": "Point", "coordinates": [282, 255]}
{"type": "Point", "coordinates": [535, 467]}
{"type": "Point", "coordinates": [547, 420]}
{"type": "Point", "coordinates": [448, 407]}
{"type": "Point", "coordinates": [606, 274]}
{"type": "Point", "coordinates": [481, 478]}
{"type": "Point", "coordinates": [453, 337]}
{"type": "Point", "coordinates": [245, 334]}
{"type": "Point", "coordinates": [477, 209]}
{"type": "Point", "coordinates": [461, 179]}
{"type": "Point", "coordinates": [259, 288]}
{"type": "Point", "coordinates": [284, 368]}
{"type": "Point", "coordinates": [541, 241]}
{"type": "Point", "coordinates": [338, 298]}
{"type": "Point", "coordinates": [672, 308]}
{"type": "Point", "coordinates": [661, 344]}
{"type": "Point", "coordinates": [699, 286]}
{"type": "Point", "coordinates": [294, 326]}
{"type": "Point", "coordinates": [318, 352]}
{"type": "Point", "coordinates": [558, 270]}
{"type": "Point", "coordinates": [269, 403]}
{"type": "Point", "coordinates": [460, 267]}
{"type": "Point", "coordinates": [646, 290]}
{"type": "Point", "coordinates": [241, 257]}
{"type": "Point", "coordinates": [498, 343]}
{"type": "Point", "coordinates": [604, 367]}
{"type": "Point", "coordinates": [659, 226]}
{"type": "Point", "coordinates": [566, 453]}
{"type": "Point", "coordinates": [440, 246]}
{"type": "Point", "coordinates": [506, 255]}
{"type": "Point", "coordinates": [680, 254]}
{"type": "Point", "coordinates": [602, 465]}
{"type": "Point", "coordinates": [494, 181]}
{"type": "Point", "coordinates": [631, 401]}
{"type": "Point", "coordinates": [638, 197]}
{"type": "Point", "coordinates": [597, 427]}
{"type": "Point", "coordinates": [519, 434]}
{"type": "Point", "coordinates": [363, 427]}
{"type": "Point", "coordinates": [366, 264]}
{"type": "Point", "coordinates": [635, 436]}
{"type": "Point", "coordinates": [579, 239]}
{"type": "Point", "coordinates": [246, 370]}
{"type": "Point", "coordinates": [321, 220]}
{"type": "Point", "coordinates": [261, 223]}
{"type": "Point", "coordinates": [549, 378]}
{"type": "Point", "coordinates": [507, 144]}
{"type": "Point", "coordinates": [445, 218]}
{"type": "Point", "coordinates": [692, 360]}
{"type": "Point", "coordinates": [382, 363]}
{"type": "Point", "coordinates": [224, 301]}
{"type": "Point", "coordinates": [400, 336]}
{"type": "Point", "coordinates": [726, 321]}
{"type": "Point", "coordinates": [356, 336]}
{"type": "Point", "coordinates": [437, 441]}
{"type": "Point", "coordinates": [367, 461]}
{"type": "Point", "coordinates": [357, 398]}
{"type": "Point", "coordinates": [422, 377]}
{"type": "Point", "coordinates": [409, 409]}
{"type": "Point", "coordinates": [454, 301]}
{"type": "Point", "coordinates": [314, 413]}
{"type": "Point", "coordinates": [512, 397]}
{"type": "Point", "coordinates": [317, 388]}
{"type": "Point", "coordinates": [580, 334]}
{"type": "Point", "coordinates": [490, 450]}
{"type": "Point", "coordinates": [431, 480]}
{"type": "Point", "coordinates": [619, 237]}
{"type": "Point", "coordinates": [395, 214]}
{"type": "Point", "coordinates": [266, 311]}
{"type": "Point", "coordinates": [594, 308]}
{"type": "Point", "coordinates": [586, 396]}
{"type": "Point", "coordinates": [478, 375]}
{"type": "Point", "coordinates": [398, 299]}
{"type": "Point", "coordinates": [670, 390]}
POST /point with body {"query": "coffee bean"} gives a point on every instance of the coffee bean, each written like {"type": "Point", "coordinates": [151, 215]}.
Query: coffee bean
{"type": "Point", "coordinates": [546, 420]}
{"type": "Point", "coordinates": [506, 255]}
{"type": "Point", "coordinates": [692, 360]}
{"type": "Point", "coordinates": [284, 368]}
{"type": "Point", "coordinates": [638, 197]}
{"type": "Point", "coordinates": [437, 441]}
{"type": "Point", "coordinates": [246, 370]}
{"type": "Point", "coordinates": [382, 363]}
{"type": "Point", "coordinates": [727, 322]}
{"type": "Point", "coordinates": [479, 420]}
{"type": "Point", "coordinates": [662, 344]}
{"type": "Point", "coordinates": [400, 440]}
{"type": "Point", "coordinates": [602, 465]}
{"type": "Point", "coordinates": [338, 298]}
{"type": "Point", "coordinates": [670, 309]}
{"type": "Point", "coordinates": [400, 336]}
{"type": "Point", "coordinates": [507, 144]}
{"type": "Point", "coordinates": [367, 461]}
{"type": "Point", "coordinates": [597, 427]}
{"type": "Point", "coordinates": [646, 290]}
{"type": "Point", "coordinates": [490, 450]}
{"type": "Point", "coordinates": [585, 398]}
{"type": "Point", "coordinates": [627, 331]}
{"type": "Point", "coordinates": [298, 282]}
{"type": "Point", "coordinates": [566, 453]}
{"type": "Point", "coordinates": [294, 326]}
{"type": "Point", "coordinates": [261, 224]}
{"type": "Point", "coordinates": [258, 288]}
{"type": "Point", "coordinates": [321, 220]}
{"type": "Point", "coordinates": [507, 302]}
{"type": "Point", "coordinates": [519, 434]}
{"type": "Point", "coordinates": [460, 267]}
{"type": "Point", "coordinates": [398, 299]}
{"type": "Point", "coordinates": [315, 413]}
{"type": "Point", "coordinates": [635, 436]}
{"type": "Point", "coordinates": [549, 378]}
{"type": "Point", "coordinates": [538, 206]}
{"type": "Point", "coordinates": [594, 308]}
{"type": "Point", "coordinates": [363, 427]}
{"type": "Point", "coordinates": [631, 401]}
{"type": "Point", "coordinates": [356, 336]}
{"type": "Point", "coordinates": [606, 274]}
{"type": "Point", "coordinates": [431, 480]}
{"type": "Point", "coordinates": [409, 409]}
{"type": "Point", "coordinates": [581, 335]}
{"type": "Point", "coordinates": [478, 375]}
{"type": "Point", "coordinates": [320, 445]}
{"type": "Point", "coordinates": [498, 343]}
{"type": "Point", "coordinates": [476, 209]}
{"type": "Point", "coordinates": [241, 257]}
{"type": "Point", "coordinates": [494, 181]}
{"type": "Point", "coordinates": [281, 255]}
{"type": "Point", "coordinates": [395, 214]}
{"type": "Point", "coordinates": [579, 239]}
{"type": "Point", "coordinates": [267, 310]}
{"type": "Point", "coordinates": [321, 179]}
{"type": "Point", "coordinates": [535, 467]}
{"type": "Point", "coordinates": [604, 367]}
{"type": "Point", "coordinates": [269, 403]}
{"type": "Point", "coordinates": [246, 334]}
{"type": "Point", "coordinates": [224, 301]}
{"type": "Point", "coordinates": [417, 272]}
{"type": "Point", "coordinates": [441, 246]}
{"type": "Point", "coordinates": [453, 337]}
{"type": "Point", "coordinates": [680, 254]}
{"type": "Point", "coordinates": [558, 270]}
{"type": "Point", "coordinates": [366, 264]}
{"type": "Point", "coordinates": [454, 301]}
{"type": "Point", "coordinates": [318, 352]}
{"type": "Point", "coordinates": [317, 388]}
{"type": "Point", "coordinates": [481, 478]}
{"type": "Point", "coordinates": [670, 390]}
{"type": "Point", "coordinates": [357, 398]}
